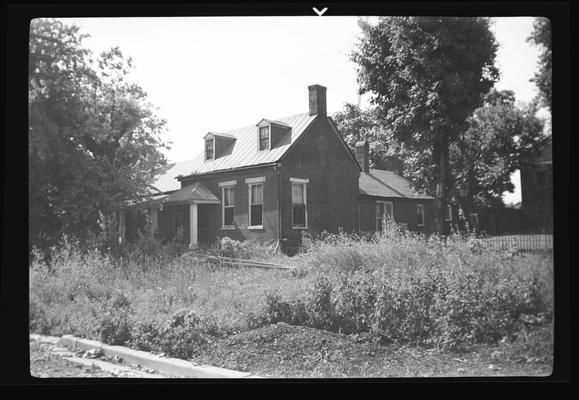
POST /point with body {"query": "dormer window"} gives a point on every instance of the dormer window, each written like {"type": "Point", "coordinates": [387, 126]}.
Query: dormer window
{"type": "Point", "coordinates": [264, 138]}
{"type": "Point", "coordinates": [209, 149]}
{"type": "Point", "coordinates": [272, 134]}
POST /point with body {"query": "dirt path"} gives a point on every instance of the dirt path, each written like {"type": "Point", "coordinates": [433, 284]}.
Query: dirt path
{"type": "Point", "coordinates": [286, 351]}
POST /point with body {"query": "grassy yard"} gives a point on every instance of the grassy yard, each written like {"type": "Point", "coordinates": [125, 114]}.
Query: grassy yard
{"type": "Point", "coordinates": [366, 300]}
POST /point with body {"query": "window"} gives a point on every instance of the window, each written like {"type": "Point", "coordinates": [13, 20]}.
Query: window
{"type": "Point", "coordinates": [541, 178]}
{"type": "Point", "coordinates": [209, 149]}
{"type": "Point", "coordinates": [420, 214]}
{"type": "Point", "coordinates": [448, 216]}
{"type": "Point", "coordinates": [256, 204]}
{"type": "Point", "coordinates": [264, 138]}
{"type": "Point", "coordinates": [228, 202]}
{"type": "Point", "coordinates": [384, 211]}
{"type": "Point", "coordinates": [299, 203]}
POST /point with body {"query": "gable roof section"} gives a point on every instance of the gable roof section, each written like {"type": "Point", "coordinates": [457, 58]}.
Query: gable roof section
{"type": "Point", "coordinates": [381, 183]}
{"type": "Point", "coordinates": [197, 192]}
{"type": "Point", "coordinates": [245, 153]}
{"type": "Point", "coordinates": [343, 141]}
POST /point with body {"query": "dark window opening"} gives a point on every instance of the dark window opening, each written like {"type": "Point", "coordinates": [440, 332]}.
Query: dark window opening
{"type": "Point", "coordinates": [209, 149]}
{"type": "Point", "coordinates": [228, 206]}
{"type": "Point", "coordinates": [299, 215]}
{"type": "Point", "coordinates": [256, 205]}
{"type": "Point", "coordinates": [264, 138]}
{"type": "Point", "coordinates": [299, 219]}
{"type": "Point", "coordinates": [420, 215]}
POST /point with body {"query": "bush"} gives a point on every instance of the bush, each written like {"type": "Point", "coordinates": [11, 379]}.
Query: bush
{"type": "Point", "coordinates": [277, 310]}
{"type": "Point", "coordinates": [403, 287]}
{"type": "Point", "coordinates": [182, 336]}
{"type": "Point", "coordinates": [246, 249]}
{"type": "Point", "coordinates": [145, 336]}
{"type": "Point", "coordinates": [116, 326]}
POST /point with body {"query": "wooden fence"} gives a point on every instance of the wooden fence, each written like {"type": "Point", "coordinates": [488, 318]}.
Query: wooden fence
{"type": "Point", "coordinates": [522, 242]}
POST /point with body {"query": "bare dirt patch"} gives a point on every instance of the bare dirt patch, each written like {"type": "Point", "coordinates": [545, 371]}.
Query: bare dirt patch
{"type": "Point", "coordinates": [286, 351]}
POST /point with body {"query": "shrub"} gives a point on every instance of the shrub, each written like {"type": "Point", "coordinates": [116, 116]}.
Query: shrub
{"type": "Point", "coordinates": [116, 327]}
{"type": "Point", "coordinates": [320, 306]}
{"type": "Point", "coordinates": [246, 249]}
{"type": "Point", "coordinates": [182, 336]}
{"type": "Point", "coordinates": [145, 336]}
{"type": "Point", "coordinates": [277, 310]}
{"type": "Point", "coordinates": [403, 287]}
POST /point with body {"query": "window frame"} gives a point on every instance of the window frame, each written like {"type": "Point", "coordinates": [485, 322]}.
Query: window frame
{"type": "Point", "coordinates": [304, 183]}
{"type": "Point", "coordinates": [384, 203]}
{"type": "Point", "coordinates": [448, 215]}
{"type": "Point", "coordinates": [420, 207]}
{"type": "Point", "coordinates": [250, 183]}
{"type": "Point", "coordinates": [229, 185]}
{"type": "Point", "coordinates": [259, 128]}
{"type": "Point", "coordinates": [212, 139]}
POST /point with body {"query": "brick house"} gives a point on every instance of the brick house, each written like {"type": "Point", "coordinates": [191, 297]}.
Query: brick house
{"type": "Point", "coordinates": [387, 194]}
{"type": "Point", "coordinates": [537, 190]}
{"type": "Point", "coordinates": [274, 180]}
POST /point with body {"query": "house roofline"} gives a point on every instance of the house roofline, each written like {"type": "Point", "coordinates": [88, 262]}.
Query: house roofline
{"type": "Point", "coordinates": [220, 171]}
{"type": "Point", "coordinates": [335, 129]}
{"type": "Point", "coordinates": [373, 196]}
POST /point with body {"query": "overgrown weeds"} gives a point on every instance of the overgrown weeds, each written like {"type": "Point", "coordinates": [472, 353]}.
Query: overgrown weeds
{"type": "Point", "coordinates": [397, 287]}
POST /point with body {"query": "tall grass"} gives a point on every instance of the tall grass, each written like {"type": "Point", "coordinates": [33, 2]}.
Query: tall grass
{"type": "Point", "coordinates": [402, 286]}
{"type": "Point", "coordinates": [396, 287]}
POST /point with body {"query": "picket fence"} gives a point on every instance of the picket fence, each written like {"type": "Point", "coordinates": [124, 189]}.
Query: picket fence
{"type": "Point", "coordinates": [522, 242]}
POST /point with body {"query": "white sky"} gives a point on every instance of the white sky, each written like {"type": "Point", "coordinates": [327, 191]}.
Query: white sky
{"type": "Point", "coordinates": [215, 74]}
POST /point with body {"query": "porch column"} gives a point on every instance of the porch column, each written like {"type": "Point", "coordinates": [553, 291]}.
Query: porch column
{"type": "Point", "coordinates": [193, 225]}
{"type": "Point", "coordinates": [122, 218]}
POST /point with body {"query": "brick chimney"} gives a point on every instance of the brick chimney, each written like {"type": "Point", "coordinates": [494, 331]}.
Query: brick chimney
{"type": "Point", "coordinates": [317, 100]}
{"type": "Point", "coordinates": [362, 152]}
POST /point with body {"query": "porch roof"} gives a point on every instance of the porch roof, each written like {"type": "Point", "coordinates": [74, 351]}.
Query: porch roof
{"type": "Point", "coordinates": [194, 193]}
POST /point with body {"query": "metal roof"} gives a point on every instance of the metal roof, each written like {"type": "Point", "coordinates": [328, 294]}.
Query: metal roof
{"type": "Point", "coordinates": [197, 192]}
{"type": "Point", "coordinates": [222, 135]}
{"type": "Point", "coordinates": [245, 153]}
{"type": "Point", "coordinates": [383, 183]}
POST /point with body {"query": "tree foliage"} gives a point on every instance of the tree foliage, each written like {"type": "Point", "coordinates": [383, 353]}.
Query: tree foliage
{"type": "Point", "coordinates": [541, 36]}
{"type": "Point", "coordinates": [94, 139]}
{"type": "Point", "coordinates": [355, 124]}
{"type": "Point", "coordinates": [427, 75]}
{"type": "Point", "coordinates": [500, 138]}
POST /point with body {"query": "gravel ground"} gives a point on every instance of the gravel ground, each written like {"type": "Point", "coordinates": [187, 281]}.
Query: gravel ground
{"type": "Point", "coordinates": [50, 361]}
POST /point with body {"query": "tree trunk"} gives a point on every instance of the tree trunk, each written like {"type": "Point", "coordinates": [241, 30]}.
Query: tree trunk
{"type": "Point", "coordinates": [440, 199]}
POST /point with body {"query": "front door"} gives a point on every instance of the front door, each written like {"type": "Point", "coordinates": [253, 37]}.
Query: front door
{"type": "Point", "coordinates": [384, 210]}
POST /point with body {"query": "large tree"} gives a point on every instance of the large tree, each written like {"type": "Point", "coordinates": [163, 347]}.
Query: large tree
{"type": "Point", "coordinates": [501, 136]}
{"type": "Point", "coordinates": [94, 140]}
{"type": "Point", "coordinates": [427, 75]}
{"type": "Point", "coordinates": [541, 36]}
{"type": "Point", "coordinates": [355, 124]}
